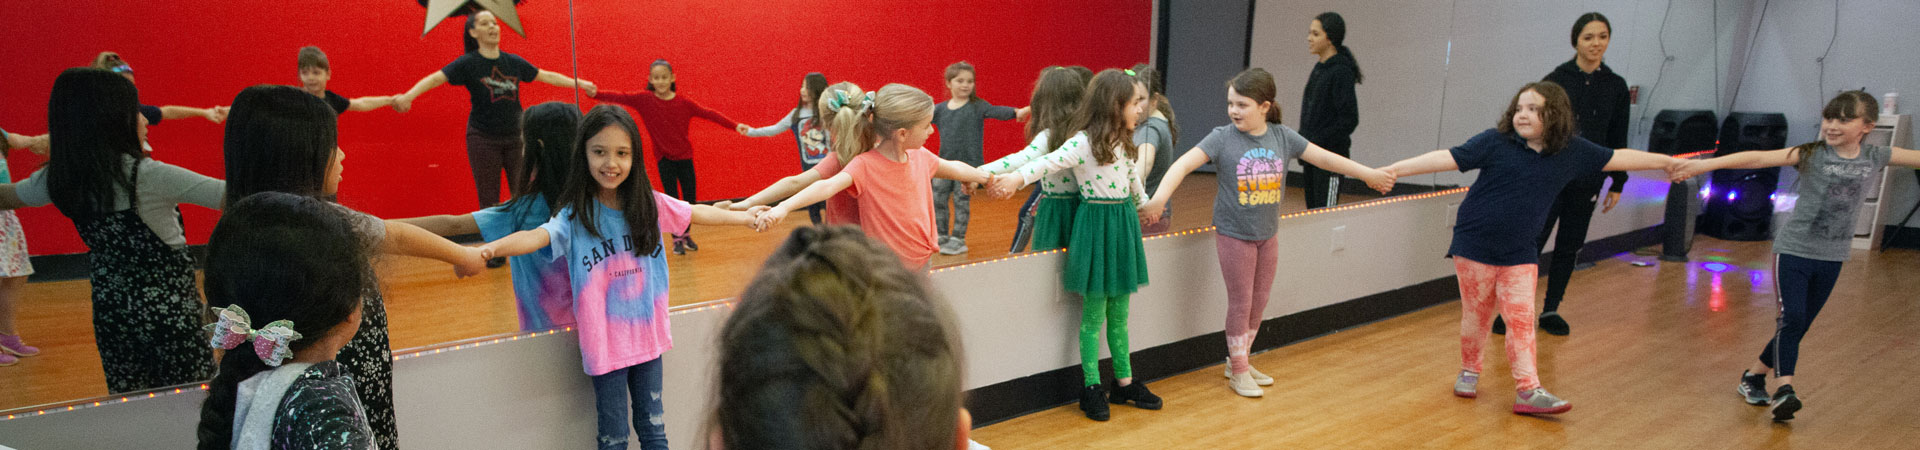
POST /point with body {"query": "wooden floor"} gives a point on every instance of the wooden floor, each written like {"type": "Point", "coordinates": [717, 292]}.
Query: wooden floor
{"type": "Point", "coordinates": [1652, 363]}
{"type": "Point", "coordinates": [427, 306]}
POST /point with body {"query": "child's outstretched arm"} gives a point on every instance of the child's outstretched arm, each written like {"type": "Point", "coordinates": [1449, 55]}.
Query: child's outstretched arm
{"type": "Point", "coordinates": [817, 192]}
{"type": "Point", "coordinates": [784, 188]}
{"type": "Point", "coordinates": [556, 79]}
{"type": "Point", "coordinates": [215, 114]}
{"type": "Point", "coordinates": [404, 239]}
{"type": "Point", "coordinates": [370, 103]}
{"type": "Point", "coordinates": [1904, 157]}
{"type": "Point", "coordinates": [518, 243]}
{"type": "Point", "coordinates": [404, 102]}
{"type": "Point", "coordinates": [1435, 161]}
{"type": "Point", "coordinates": [1685, 169]}
{"type": "Point", "coordinates": [709, 215]}
{"type": "Point", "coordinates": [1375, 178]}
{"type": "Point", "coordinates": [1627, 159]}
{"type": "Point", "coordinates": [445, 224]}
{"type": "Point", "coordinates": [959, 171]}
{"type": "Point", "coordinates": [1176, 173]}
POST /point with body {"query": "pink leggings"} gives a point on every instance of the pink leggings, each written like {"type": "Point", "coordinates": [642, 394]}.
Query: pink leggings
{"type": "Point", "coordinates": [1512, 286]}
{"type": "Point", "coordinates": [1248, 267]}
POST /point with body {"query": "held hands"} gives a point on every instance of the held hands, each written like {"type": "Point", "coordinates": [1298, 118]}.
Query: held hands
{"type": "Point", "coordinates": [588, 88]}
{"type": "Point", "coordinates": [473, 261]}
{"type": "Point", "coordinates": [217, 114]}
{"type": "Point", "coordinates": [1682, 169]}
{"type": "Point", "coordinates": [1003, 186]}
{"type": "Point", "coordinates": [767, 218]}
{"type": "Point", "coordinates": [1023, 113]}
{"type": "Point", "coordinates": [1381, 179]}
{"type": "Point", "coordinates": [402, 103]}
{"type": "Point", "coordinates": [1150, 212]}
{"type": "Point", "coordinates": [742, 129]}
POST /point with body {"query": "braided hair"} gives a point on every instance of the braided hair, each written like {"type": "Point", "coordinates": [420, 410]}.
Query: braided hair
{"type": "Point", "coordinates": [836, 346]}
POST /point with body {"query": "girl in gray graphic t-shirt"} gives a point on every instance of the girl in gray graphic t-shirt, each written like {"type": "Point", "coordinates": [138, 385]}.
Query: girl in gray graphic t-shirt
{"type": "Point", "coordinates": [1835, 173]}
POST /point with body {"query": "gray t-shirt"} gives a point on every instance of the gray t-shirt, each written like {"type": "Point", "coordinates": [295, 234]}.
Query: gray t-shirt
{"type": "Point", "coordinates": [162, 187]}
{"type": "Point", "coordinates": [1252, 176]}
{"type": "Point", "coordinates": [1830, 190]}
{"type": "Point", "coordinates": [1156, 131]}
{"type": "Point", "coordinates": [961, 128]}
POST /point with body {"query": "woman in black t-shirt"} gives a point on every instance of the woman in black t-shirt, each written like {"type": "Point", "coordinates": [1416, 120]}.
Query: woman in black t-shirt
{"type": "Point", "coordinates": [492, 78]}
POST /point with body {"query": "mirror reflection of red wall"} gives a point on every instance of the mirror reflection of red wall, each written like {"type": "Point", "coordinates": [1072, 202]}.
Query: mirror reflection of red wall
{"type": "Point", "coordinates": [743, 60]}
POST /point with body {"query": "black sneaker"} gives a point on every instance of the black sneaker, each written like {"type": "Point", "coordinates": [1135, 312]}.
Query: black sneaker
{"type": "Point", "coordinates": [1553, 324]}
{"type": "Point", "coordinates": [690, 245]}
{"type": "Point", "coordinates": [1753, 387]}
{"type": "Point", "coordinates": [1136, 393]}
{"type": "Point", "coordinates": [1785, 403]}
{"type": "Point", "coordinates": [679, 247]}
{"type": "Point", "coordinates": [1093, 401]}
{"type": "Point", "coordinates": [1499, 325]}
{"type": "Point", "coordinates": [496, 263]}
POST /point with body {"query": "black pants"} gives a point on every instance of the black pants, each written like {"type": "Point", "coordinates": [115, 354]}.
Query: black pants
{"type": "Point", "coordinates": [1803, 286]}
{"type": "Point", "coordinates": [1573, 211]}
{"type": "Point", "coordinates": [1023, 230]}
{"type": "Point", "coordinates": [1323, 186]}
{"type": "Point", "coordinates": [676, 178]}
{"type": "Point", "coordinates": [488, 155]}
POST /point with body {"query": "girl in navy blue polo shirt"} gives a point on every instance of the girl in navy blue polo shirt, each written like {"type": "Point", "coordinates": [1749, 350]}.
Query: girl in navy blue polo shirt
{"type": "Point", "coordinates": [1524, 162]}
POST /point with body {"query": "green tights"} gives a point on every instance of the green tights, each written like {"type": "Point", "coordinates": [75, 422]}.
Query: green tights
{"type": "Point", "coordinates": [1112, 311]}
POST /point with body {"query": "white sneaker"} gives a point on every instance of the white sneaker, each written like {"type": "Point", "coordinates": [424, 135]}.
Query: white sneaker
{"type": "Point", "coordinates": [1258, 378]}
{"type": "Point", "coordinates": [1244, 385]}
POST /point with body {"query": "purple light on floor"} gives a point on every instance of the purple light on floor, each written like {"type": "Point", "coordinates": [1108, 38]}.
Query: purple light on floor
{"type": "Point", "coordinates": [1758, 278]}
{"type": "Point", "coordinates": [1716, 267]}
{"type": "Point", "coordinates": [1706, 192]}
{"type": "Point", "coordinates": [1733, 195]}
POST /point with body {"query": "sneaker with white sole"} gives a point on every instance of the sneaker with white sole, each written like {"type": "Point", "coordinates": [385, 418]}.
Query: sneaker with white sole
{"type": "Point", "coordinates": [1753, 387]}
{"type": "Point", "coordinates": [1538, 401]}
{"type": "Point", "coordinates": [1244, 385]}
{"type": "Point", "coordinates": [1467, 386]}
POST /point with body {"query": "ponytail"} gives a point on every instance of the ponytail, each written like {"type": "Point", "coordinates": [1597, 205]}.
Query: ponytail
{"type": "Point", "coordinates": [842, 111]}
{"type": "Point", "coordinates": [216, 415]}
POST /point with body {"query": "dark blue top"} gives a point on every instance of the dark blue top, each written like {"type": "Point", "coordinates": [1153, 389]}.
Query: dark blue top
{"type": "Point", "coordinates": [1508, 203]}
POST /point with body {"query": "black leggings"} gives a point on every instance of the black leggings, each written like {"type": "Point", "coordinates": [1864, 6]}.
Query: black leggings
{"type": "Point", "coordinates": [1572, 211]}
{"type": "Point", "coordinates": [1803, 286]}
{"type": "Point", "coordinates": [488, 155]}
{"type": "Point", "coordinates": [676, 178]}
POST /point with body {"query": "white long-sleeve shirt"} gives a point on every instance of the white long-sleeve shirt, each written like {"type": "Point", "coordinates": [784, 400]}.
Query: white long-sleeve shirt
{"type": "Point", "coordinates": [1058, 182]}
{"type": "Point", "coordinates": [1119, 179]}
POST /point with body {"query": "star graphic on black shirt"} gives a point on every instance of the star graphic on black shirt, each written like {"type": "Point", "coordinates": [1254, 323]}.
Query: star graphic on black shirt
{"type": "Point", "coordinates": [503, 86]}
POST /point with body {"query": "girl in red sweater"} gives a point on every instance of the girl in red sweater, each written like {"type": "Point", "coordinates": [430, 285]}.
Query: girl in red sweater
{"type": "Point", "coordinates": [666, 116]}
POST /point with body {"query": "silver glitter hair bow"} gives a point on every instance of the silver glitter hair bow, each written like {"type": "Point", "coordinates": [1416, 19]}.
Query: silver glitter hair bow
{"type": "Point", "coordinates": [272, 342]}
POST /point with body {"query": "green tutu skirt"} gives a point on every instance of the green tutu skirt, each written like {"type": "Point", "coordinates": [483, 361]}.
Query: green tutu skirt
{"type": "Point", "coordinates": [1105, 256]}
{"type": "Point", "coordinates": [1053, 220]}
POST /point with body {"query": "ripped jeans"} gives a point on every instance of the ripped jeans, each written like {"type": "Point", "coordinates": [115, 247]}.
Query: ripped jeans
{"type": "Point", "coordinates": [611, 391]}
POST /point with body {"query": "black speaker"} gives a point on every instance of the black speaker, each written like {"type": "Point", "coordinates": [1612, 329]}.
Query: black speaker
{"type": "Point", "coordinates": [1745, 131]}
{"type": "Point", "coordinates": [1677, 131]}
{"type": "Point", "coordinates": [1740, 201]}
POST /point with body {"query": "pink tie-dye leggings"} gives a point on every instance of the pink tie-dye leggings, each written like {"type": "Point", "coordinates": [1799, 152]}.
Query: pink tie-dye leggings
{"type": "Point", "coordinates": [1481, 286]}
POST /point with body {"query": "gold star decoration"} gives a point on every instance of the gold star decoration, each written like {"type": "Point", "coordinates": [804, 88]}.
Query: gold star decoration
{"type": "Point", "coordinates": [440, 10]}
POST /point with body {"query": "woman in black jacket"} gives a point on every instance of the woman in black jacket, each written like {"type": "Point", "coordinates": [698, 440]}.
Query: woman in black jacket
{"type": "Point", "coordinates": [1328, 111]}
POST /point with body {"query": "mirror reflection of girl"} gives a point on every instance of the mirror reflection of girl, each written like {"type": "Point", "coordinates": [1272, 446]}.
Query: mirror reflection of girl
{"type": "Point", "coordinates": [1246, 207]}
{"type": "Point", "coordinates": [283, 139]}
{"type": "Point", "coordinates": [620, 297]}
{"type": "Point", "coordinates": [892, 180]}
{"type": "Point", "coordinates": [14, 263]}
{"type": "Point", "coordinates": [840, 209]}
{"type": "Point", "coordinates": [492, 78]}
{"type": "Point", "coordinates": [1524, 162]}
{"type": "Point", "coordinates": [146, 309]}
{"type": "Point", "coordinates": [667, 114]}
{"type": "Point", "coordinates": [1056, 99]}
{"type": "Point", "coordinates": [1835, 174]}
{"type": "Point", "coordinates": [961, 122]}
{"type": "Point", "coordinates": [1599, 99]}
{"type": "Point", "coordinates": [284, 276]}
{"type": "Point", "coordinates": [1156, 134]}
{"type": "Point", "coordinates": [112, 62]}
{"type": "Point", "coordinates": [808, 133]}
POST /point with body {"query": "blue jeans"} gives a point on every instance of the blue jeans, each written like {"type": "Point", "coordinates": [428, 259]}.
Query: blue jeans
{"type": "Point", "coordinates": [610, 394]}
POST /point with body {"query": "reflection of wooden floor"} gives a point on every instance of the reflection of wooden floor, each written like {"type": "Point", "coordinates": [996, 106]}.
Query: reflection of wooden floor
{"type": "Point", "coordinates": [1652, 363]}
{"type": "Point", "coordinates": [426, 305]}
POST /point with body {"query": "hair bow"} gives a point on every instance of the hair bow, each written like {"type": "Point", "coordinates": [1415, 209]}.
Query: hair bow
{"type": "Point", "coordinates": [839, 99]}
{"type": "Point", "coordinates": [272, 342]}
{"type": "Point", "coordinates": [866, 102]}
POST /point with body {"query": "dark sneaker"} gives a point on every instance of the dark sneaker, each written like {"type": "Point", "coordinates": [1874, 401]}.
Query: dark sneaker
{"type": "Point", "coordinates": [1093, 402]}
{"type": "Point", "coordinates": [1553, 324]}
{"type": "Point", "coordinates": [1136, 393]}
{"type": "Point", "coordinates": [1753, 387]}
{"type": "Point", "coordinates": [1785, 404]}
{"type": "Point", "coordinates": [690, 245]}
{"type": "Point", "coordinates": [1499, 325]}
{"type": "Point", "coordinates": [679, 247]}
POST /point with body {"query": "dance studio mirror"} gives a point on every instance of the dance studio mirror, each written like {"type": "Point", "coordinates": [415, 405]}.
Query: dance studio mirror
{"type": "Point", "coordinates": [743, 65]}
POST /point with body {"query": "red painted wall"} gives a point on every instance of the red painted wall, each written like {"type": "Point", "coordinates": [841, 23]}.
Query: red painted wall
{"type": "Point", "coordinates": [744, 60]}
